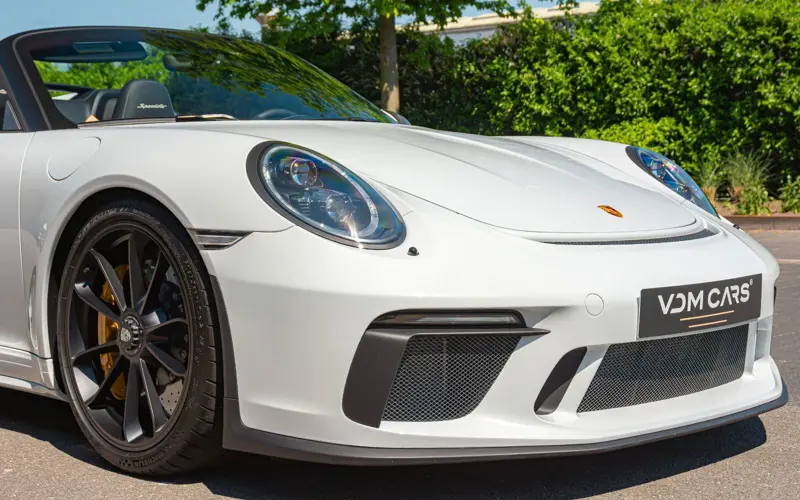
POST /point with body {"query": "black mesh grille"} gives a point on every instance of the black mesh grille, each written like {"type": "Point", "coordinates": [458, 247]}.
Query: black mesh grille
{"type": "Point", "coordinates": [444, 377]}
{"type": "Point", "coordinates": [705, 233]}
{"type": "Point", "coordinates": [654, 370]}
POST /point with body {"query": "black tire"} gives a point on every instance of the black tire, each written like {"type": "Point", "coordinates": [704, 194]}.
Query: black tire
{"type": "Point", "coordinates": [192, 434]}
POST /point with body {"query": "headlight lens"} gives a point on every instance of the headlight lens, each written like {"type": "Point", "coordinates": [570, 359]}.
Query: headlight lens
{"type": "Point", "coordinates": [673, 176]}
{"type": "Point", "coordinates": [328, 199]}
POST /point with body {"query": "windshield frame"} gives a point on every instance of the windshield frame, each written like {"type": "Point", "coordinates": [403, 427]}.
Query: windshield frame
{"type": "Point", "coordinates": [30, 89]}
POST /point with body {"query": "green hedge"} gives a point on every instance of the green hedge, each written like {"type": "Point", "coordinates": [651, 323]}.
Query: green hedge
{"type": "Point", "coordinates": [691, 78]}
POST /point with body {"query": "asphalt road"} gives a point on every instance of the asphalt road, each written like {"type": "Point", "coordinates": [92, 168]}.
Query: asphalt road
{"type": "Point", "coordinates": [43, 455]}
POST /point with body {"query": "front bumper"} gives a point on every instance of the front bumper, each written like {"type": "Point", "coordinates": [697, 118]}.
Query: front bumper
{"type": "Point", "coordinates": [299, 306]}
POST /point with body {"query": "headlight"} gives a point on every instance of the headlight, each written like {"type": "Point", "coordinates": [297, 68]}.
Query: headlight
{"type": "Point", "coordinates": [326, 198]}
{"type": "Point", "coordinates": [673, 176]}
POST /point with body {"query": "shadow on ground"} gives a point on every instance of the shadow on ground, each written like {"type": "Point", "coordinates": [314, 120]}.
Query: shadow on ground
{"type": "Point", "coordinates": [249, 477]}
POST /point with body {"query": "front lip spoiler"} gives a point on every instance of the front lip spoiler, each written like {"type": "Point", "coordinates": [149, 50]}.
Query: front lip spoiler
{"type": "Point", "coordinates": [240, 438]}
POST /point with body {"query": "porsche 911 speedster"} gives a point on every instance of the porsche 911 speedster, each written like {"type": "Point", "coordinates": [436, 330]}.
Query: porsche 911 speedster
{"type": "Point", "coordinates": [208, 243]}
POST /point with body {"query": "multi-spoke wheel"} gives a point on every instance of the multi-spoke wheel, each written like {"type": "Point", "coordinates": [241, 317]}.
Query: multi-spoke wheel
{"type": "Point", "coordinates": [137, 343]}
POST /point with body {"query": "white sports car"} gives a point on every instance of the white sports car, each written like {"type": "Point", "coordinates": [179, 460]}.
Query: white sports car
{"type": "Point", "coordinates": [231, 249]}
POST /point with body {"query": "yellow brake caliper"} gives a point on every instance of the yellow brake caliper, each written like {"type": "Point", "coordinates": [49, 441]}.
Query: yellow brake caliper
{"type": "Point", "coordinates": [106, 332]}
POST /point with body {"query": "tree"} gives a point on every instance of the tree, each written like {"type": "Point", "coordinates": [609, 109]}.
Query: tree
{"type": "Point", "coordinates": [103, 75]}
{"type": "Point", "coordinates": [322, 16]}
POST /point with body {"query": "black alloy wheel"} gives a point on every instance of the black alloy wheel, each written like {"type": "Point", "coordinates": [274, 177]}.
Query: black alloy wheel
{"type": "Point", "coordinates": [136, 341]}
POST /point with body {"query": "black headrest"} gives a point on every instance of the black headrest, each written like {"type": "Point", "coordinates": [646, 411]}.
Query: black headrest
{"type": "Point", "coordinates": [75, 111]}
{"type": "Point", "coordinates": [103, 103]}
{"type": "Point", "coordinates": [143, 99]}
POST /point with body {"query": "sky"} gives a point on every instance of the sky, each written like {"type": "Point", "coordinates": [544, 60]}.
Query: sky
{"type": "Point", "coordinates": [23, 15]}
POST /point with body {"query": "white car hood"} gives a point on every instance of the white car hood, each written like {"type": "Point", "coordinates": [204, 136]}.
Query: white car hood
{"type": "Point", "coordinates": [501, 182]}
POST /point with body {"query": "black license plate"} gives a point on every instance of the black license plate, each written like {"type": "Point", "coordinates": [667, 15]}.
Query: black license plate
{"type": "Point", "coordinates": [686, 308]}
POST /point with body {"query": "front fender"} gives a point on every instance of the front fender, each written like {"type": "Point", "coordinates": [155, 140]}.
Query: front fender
{"type": "Point", "coordinates": [199, 176]}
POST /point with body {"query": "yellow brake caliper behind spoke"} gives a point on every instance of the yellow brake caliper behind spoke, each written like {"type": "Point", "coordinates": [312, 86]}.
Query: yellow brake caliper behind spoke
{"type": "Point", "coordinates": [106, 332]}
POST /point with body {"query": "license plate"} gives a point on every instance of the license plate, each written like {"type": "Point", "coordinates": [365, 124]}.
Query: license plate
{"type": "Point", "coordinates": [686, 308]}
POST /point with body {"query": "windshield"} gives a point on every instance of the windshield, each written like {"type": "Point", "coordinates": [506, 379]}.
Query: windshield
{"type": "Point", "coordinates": [192, 76]}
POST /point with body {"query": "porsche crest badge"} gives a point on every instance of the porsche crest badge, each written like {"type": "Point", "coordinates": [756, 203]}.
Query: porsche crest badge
{"type": "Point", "coordinates": [610, 210]}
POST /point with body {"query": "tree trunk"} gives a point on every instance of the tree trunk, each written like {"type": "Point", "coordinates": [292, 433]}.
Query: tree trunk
{"type": "Point", "coordinates": [390, 77]}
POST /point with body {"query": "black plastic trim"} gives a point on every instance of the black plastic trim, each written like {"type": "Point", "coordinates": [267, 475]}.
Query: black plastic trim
{"type": "Point", "coordinates": [253, 165]}
{"type": "Point", "coordinates": [371, 375]}
{"type": "Point", "coordinates": [703, 233]}
{"type": "Point", "coordinates": [230, 386]}
{"type": "Point", "coordinates": [240, 438]}
{"type": "Point", "coordinates": [5, 102]}
{"type": "Point", "coordinates": [19, 91]}
{"type": "Point", "coordinates": [377, 359]}
{"type": "Point", "coordinates": [558, 382]}
{"type": "Point", "coordinates": [394, 319]}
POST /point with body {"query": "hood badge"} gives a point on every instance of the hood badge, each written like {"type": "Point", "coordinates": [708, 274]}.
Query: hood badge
{"type": "Point", "coordinates": [610, 210]}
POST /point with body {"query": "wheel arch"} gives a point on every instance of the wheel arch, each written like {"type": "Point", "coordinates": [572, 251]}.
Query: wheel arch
{"type": "Point", "coordinates": [81, 212]}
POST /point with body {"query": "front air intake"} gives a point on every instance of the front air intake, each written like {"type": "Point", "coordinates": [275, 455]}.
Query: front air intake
{"type": "Point", "coordinates": [642, 372]}
{"type": "Point", "coordinates": [445, 377]}
{"type": "Point", "coordinates": [429, 365]}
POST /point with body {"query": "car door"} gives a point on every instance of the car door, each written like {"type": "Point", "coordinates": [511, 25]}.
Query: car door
{"type": "Point", "coordinates": [14, 335]}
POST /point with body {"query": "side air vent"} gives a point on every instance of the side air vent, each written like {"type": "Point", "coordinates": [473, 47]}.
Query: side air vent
{"type": "Point", "coordinates": [558, 382]}
{"type": "Point", "coordinates": [445, 377]}
{"type": "Point", "coordinates": [429, 366]}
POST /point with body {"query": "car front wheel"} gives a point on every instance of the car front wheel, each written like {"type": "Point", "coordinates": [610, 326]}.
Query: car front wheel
{"type": "Point", "coordinates": [137, 341]}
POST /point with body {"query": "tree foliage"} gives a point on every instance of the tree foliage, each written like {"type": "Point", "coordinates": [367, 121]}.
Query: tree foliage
{"type": "Point", "coordinates": [103, 76]}
{"type": "Point", "coordinates": [316, 17]}
{"type": "Point", "coordinates": [323, 17]}
{"type": "Point", "coordinates": [693, 79]}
